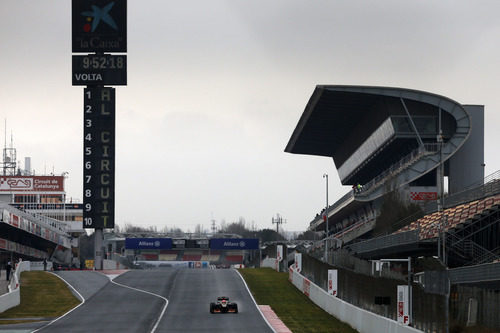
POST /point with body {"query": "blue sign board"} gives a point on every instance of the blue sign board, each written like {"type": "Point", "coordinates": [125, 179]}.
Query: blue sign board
{"type": "Point", "coordinates": [148, 243]}
{"type": "Point", "coordinates": [234, 243]}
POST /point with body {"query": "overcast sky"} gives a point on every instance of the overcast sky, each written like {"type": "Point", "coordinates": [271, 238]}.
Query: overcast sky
{"type": "Point", "coordinates": [216, 88]}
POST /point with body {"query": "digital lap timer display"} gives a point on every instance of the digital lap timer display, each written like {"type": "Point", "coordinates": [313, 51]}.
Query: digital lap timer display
{"type": "Point", "coordinates": [99, 70]}
{"type": "Point", "coordinates": [103, 62]}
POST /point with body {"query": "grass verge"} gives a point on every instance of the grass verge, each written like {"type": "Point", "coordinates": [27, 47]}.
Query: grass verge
{"type": "Point", "coordinates": [297, 311]}
{"type": "Point", "coordinates": [42, 295]}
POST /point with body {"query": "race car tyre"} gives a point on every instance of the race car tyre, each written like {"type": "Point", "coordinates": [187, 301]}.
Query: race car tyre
{"type": "Point", "coordinates": [212, 307]}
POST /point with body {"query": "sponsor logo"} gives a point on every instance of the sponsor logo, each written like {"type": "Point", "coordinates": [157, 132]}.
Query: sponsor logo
{"type": "Point", "coordinates": [19, 183]}
{"type": "Point", "coordinates": [423, 196]}
{"type": "Point", "coordinates": [97, 15]}
{"type": "Point", "coordinates": [235, 244]}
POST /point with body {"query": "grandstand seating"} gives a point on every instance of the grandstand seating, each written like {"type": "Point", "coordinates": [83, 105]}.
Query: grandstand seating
{"type": "Point", "coordinates": [169, 252]}
{"type": "Point", "coordinates": [149, 256]}
{"type": "Point", "coordinates": [429, 225]}
{"type": "Point", "coordinates": [192, 256]}
{"type": "Point", "coordinates": [234, 257]}
{"type": "Point", "coordinates": [168, 257]}
{"type": "Point", "coordinates": [210, 257]}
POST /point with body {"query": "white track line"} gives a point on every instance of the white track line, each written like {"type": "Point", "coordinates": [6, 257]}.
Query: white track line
{"type": "Point", "coordinates": [67, 313]}
{"type": "Point", "coordinates": [150, 293]}
{"type": "Point", "coordinates": [256, 305]}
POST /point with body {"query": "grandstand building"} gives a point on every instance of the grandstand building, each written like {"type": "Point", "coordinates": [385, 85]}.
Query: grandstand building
{"type": "Point", "coordinates": [416, 143]}
{"type": "Point", "coordinates": [36, 223]}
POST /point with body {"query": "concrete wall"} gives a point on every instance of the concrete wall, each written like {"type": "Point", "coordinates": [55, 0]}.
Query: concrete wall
{"type": "Point", "coordinates": [362, 320]}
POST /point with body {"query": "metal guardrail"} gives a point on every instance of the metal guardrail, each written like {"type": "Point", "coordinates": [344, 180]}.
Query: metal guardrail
{"type": "Point", "coordinates": [401, 238]}
{"type": "Point", "coordinates": [412, 157]}
{"type": "Point", "coordinates": [37, 218]}
{"type": "Point", "coordinates": [332, 208]}
{"type": "Point", "coordinates": [477, 273]}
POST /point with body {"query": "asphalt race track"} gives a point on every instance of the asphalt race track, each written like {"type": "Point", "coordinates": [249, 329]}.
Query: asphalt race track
{"type": "Point", "coordinates": [189, 307]}
{"type": "Point", "coordinates": [116, 307]}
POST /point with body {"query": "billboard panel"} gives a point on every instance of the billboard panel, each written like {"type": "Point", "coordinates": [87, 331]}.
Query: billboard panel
{"type": "Point", "coordinates": [32, 183]}
{"type": "Point", "coordinates": [148, 243]}
{"type": "Point", "coordinates": [332, 282]}
{"type": "Point", "coordinates": [99, 26]}
{"type": "Point", "coordinates": [234, 243]}
{"type": "Point", "coordinates": [298, 262]}
{"type": "Point", "coordinates": [279, 252]}
{"type": "Point", "coordinates": [403, 305]}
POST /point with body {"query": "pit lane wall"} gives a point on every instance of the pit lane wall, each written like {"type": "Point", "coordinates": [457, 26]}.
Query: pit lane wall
{"type": "Point", "coordinates": [360, 319]}
{"type": "Point", "coordinates": [13, 297]}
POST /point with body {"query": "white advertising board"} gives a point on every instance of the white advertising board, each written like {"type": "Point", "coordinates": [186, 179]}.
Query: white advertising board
{"type": "Point", "coordinates": [298, 262]}
{"type": "Point", "coordinates": [402, 311]}
{"type": "Point", "coordinates": [279, 252]}
{"type": "Point", "coordinates": [332, 282]}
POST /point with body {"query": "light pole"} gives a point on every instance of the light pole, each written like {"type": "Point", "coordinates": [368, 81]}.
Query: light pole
{"type": "Point", "coordinates": [325, 175]}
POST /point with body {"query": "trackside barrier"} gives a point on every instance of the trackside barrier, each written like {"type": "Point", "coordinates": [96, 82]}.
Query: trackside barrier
{"type": "Point", "coordinates": [360, 319]}
{"type": "Point", "coordinates": [13, 297]}
{"type": "Point", "coordinates": [269, 262]}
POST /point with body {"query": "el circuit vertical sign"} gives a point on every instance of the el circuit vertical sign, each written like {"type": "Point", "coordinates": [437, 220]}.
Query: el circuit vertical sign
{"type": "Point", "coordinates": [99, 157]}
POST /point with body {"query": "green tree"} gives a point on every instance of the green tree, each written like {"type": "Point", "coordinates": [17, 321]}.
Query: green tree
{"type": "Point", "coordinates": [393, 212]}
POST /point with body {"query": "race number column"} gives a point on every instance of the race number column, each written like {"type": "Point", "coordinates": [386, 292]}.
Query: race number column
{"type": "Point", "coordinates": [99, 158]}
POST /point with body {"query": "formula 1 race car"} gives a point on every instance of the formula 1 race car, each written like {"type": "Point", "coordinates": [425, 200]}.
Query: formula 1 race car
{"type": "Point", "coordinates": [223, 306]}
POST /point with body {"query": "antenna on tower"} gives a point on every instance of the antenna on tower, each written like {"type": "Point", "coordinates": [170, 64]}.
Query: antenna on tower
{"type": "Point", "coordinates": [9, 155]}
{"type": "Point", "coordinates": [214, 227]}
{"type": "Point", "coordinates": [278, 220]}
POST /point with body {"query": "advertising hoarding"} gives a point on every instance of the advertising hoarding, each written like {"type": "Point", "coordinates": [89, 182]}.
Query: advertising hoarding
{"type": "Point", "coordinates": [234, 243]}
{"type": "Point", "coordinates": [332, 282]}
{"type": "Point", "coordinates": [148, 243]}
{"type": "Point", "coordinates": [402, 310]}
{"type": "Point", "coordinates": [279, 252]}
{"type": "Point", "coordinates": [32, 183]}
{"type": "Point", "coordinates": [298, 262]}
{"type": "Point", "coordinates": [99, 26]}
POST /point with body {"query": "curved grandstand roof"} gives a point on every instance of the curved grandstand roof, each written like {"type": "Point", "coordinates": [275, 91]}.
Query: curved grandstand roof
{"type": "Point", "coordinates": [338, 119]}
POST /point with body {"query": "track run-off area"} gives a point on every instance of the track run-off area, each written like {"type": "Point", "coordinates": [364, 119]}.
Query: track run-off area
{"type": "Point", "coordinates": [162, 300]}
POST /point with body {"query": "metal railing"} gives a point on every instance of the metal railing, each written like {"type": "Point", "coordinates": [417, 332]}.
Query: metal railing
{"type": "Point", "coordinates": [470, 250]}
{"type": "Point", "coordinates": [477, 273]}
{"type": "Point", "coordinates": [401, 238]}
{"type": "Point", "coordinates": [38, 218]}
{"type": "Point", "coordinates": [394, 169]}
{"type": "Point", "coordinates": [332, 208]}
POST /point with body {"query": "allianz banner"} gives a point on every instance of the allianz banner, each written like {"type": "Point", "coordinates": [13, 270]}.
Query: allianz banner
{"type": "Point", "coordinates": [234, 243]}
{"type": "Point", "coordinates": [148, 243]}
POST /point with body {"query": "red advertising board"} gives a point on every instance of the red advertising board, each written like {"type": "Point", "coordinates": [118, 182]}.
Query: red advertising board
{"type": "Point", "coordinates": [423, 196]}
{"type": "Point", "coordinates": [32, 183]}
